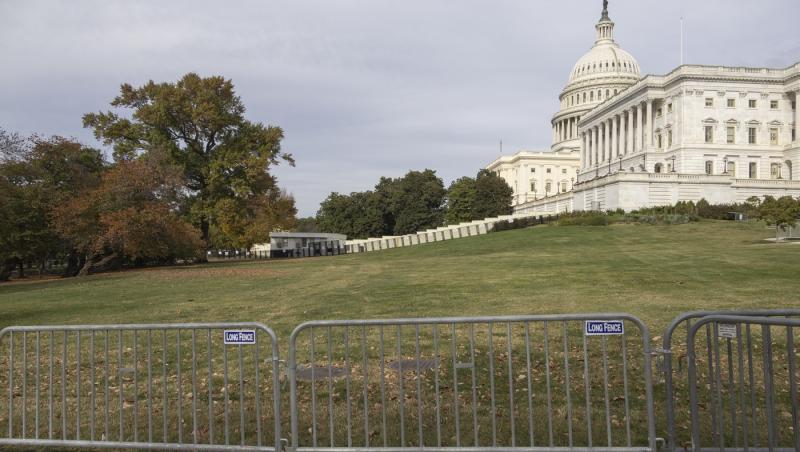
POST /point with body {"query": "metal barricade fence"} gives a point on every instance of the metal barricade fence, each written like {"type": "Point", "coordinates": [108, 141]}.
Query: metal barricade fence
{"type": "Point", "coordinates": [752, 399]}
{"type": "Point", "coordinates": [516, 382]}
{"type": "Point", "coordinates": [167, 386]}
{"type": "Point", "coordinates": [674, 352]}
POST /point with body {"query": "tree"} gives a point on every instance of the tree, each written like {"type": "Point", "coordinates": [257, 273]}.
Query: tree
{"type": "Point", "coordinates": [132, 216]}
{"type": "Point", "coordinates": [416, 202]}
{"type": "Point", "coordinates": [781, 213]}
{"type": "Point", "coordinates": [358, 215]}
{"type": "Point", "coordinates": [460, 201]}
{"type": "Point", "coordinates": [492, 196]}
{"type": "Point", "coordinates": [224, 158]}
{"type": "Point", "coordinates": [36, 179]}
{"type": "Point", "coordinates": [307, 224]}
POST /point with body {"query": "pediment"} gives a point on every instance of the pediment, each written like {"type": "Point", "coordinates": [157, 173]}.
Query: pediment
{"type": "Point", "coordinates": [732, 122]}
{"type": "Point", "coordinates": [775, 123]}
{"type": "Point", "coordinates": [710, 121]}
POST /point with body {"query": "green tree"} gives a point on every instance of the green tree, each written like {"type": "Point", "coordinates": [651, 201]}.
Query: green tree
{"type": "Point", "coordinates": [225, 159]}
{"type": "Point", "coordinates": [460, 200]}
{"type": "Point", "coordinates": [781, 213]}
{"type": "Point", "coordinates": [417, 202]}
{"type": "Point", "coordinates": [358, 215]}
{"type": "Point", "coordinates": [307, 224]}
{"type": "Point", "coordinates": [492, 196]}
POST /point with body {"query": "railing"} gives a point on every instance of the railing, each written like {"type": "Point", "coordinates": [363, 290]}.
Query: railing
{"type": "Point", "coordinates": [170, 386]}
{"type": "Point", "coordinates": [472, 383]}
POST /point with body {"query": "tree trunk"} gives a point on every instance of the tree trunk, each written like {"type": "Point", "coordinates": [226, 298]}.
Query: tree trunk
{"type": "Point", "coordinates": [106, 263]}
{"type": "Point", "coordinates": [204, 230]}
{"type": "Point", "coordinates": [6, 268]}
{"type": "Point", "coordinates": [74, 264]}
{"type": "Point", "coordinates": [21, 268]}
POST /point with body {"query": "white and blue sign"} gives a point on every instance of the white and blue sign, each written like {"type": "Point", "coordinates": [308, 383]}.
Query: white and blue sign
{"type": "Point", "coordinates": [604, 328]}
{"type": "Point", "coordinates": [240, 337]}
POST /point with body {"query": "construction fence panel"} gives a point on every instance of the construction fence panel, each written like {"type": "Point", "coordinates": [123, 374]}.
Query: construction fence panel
{"type": "Point", "coordinates": [516, 382]}
{"type": "Point", "coordinates": [166, 386]}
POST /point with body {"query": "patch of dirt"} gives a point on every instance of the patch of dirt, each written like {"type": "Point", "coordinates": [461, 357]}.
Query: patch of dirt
{"type": "Point", "coordinates": [212, 271]}
{"type": "Point", "coordinates": [33, 279]}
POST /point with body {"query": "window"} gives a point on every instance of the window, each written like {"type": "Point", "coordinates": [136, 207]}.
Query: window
{"type": "Point", "coordinates": [548, 170]}
{"type": "Point", "coordinates": [731, 169]}
{"type": "Point", "coordinates": [658, 112]}
{"type": "Point", "coordinates": [751, 135]}
{"type": "Point", "coordinates": [773, 136]}
{"type": "Point", "coordinates": [658, 140]}
{"type": "Point", "coordinates": [533, 186]}
{"type": "Point", "coordinates": [563, 171]}
{"type": "Point", "coordinates": [548, 186]}
{"type": "Point", "coordinates": [563, 186]}
{"type": "Point", "coordinates": [533, 170]}
{"type": "Point", "coordinates": [753, 170]}
{"type": "Point", "coordinates": [669, 107]}
{"type": "Point", "coordinates": [731, 103]}
{"type": "Point", "coordinates": [657, 168]}
{"type": "Point", "coordinates": [751, 103]}
{"type": "Point", "coordinates": [731, 135]}
{"type": "Point", "coordinates": [584, 97]}
{"type": "Point", "coordinates": [709, 167]}
{"type": "Point", "coordinates": [773, 104]}
{"type": "Point", "coordinates": [709, 101]}
{"type": "Point", "coordinates": [591, 96]}
{"type": "Point", "coordinates": [709, 134]}
{"type": "Point", "coordinates": [669, 138]}
{"type": "Point", "coordinates": [775, 171]}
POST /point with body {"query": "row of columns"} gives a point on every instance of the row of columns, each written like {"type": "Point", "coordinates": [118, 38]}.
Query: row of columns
{"type": "Point", "coordinates": [565, 129]}
{"type": "Point", "coordinates": [797, 116]}
{"type": "Point", "coordinates": [621, 134]}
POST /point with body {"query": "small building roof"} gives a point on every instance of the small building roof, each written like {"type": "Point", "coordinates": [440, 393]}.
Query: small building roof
{"type": "Point", "coordinates": [307, 235]}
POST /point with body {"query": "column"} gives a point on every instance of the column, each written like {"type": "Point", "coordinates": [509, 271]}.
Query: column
{"type": "Point", "coordinates": [623, 132]}
{"type": "Point", "coordinates": [584, 149]}
{"type": "Point", "coordinates": [648, 141]}
{"type": "Point", "coordinates": [614, 139]}
{"type": "Point", "coordinates": [596, 146]}
{"type": "Point", "coordinates": [796, 118]}
{"type": "Point", "coordinates": [639, 133]}
{"type": "Point", "coordinates": [629, 146]}
{"type": "Point", "coordinates": [590, 155]}
{"type": "Point", "coordinates": [606, 140]}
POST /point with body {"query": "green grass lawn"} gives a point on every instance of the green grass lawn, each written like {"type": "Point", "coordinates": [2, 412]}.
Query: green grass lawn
{"type": "Point", "coordinates": [654, 272]}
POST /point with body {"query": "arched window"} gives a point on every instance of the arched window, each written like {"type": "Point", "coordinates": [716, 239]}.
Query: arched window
{"type": "Point", "coordinates": [591, 96]}
{"type": "Point", "coordinates": [584, 97]}
{"type": "Point", "coordinates": [608, 92]}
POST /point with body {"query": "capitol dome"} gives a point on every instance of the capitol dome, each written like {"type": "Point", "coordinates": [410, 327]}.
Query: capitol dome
{"type": "Point", "coordinates": [598, 75]}
{"type": "Point", "coordinates": [603, 61]}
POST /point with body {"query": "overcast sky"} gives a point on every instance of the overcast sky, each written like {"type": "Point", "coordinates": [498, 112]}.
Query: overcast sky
{"type": "Point", "coordinates": [363, 88]}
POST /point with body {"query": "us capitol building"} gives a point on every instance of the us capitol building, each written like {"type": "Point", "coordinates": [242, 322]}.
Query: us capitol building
{"type": "Point", "coordinates": [621, 140]}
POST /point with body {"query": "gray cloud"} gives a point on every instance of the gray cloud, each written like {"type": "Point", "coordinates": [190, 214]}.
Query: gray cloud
{"type": "Point", "coordinates": [363, 88]}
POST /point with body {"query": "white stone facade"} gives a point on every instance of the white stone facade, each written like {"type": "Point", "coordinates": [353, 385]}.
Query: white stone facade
{"type": "Point", "coordinates": [535, 175]}
{"type": "Point", "coordinates": [600, 74]}
{"type": "Point", "coordinates": [720, 133]}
